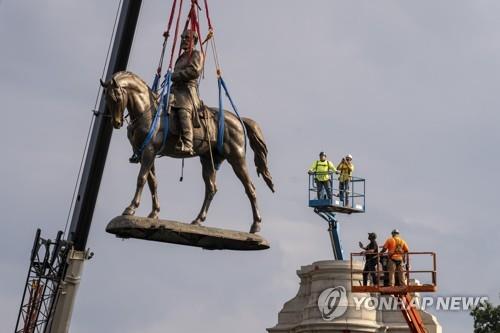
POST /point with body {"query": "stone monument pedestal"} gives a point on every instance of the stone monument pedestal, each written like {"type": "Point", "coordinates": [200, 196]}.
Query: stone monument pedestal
{"type": "Point", "coordinates": [302, 314]}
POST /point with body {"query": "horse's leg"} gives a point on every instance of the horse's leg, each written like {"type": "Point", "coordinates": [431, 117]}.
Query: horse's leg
{"type": "Point", "coordinates": [146, 164]}
{"type": "Point", "coordinates": [240, 169]}
{"type": "Point", "coordinates": [210, 188]}
{"type": "Point", "coordinates": [153, 186]}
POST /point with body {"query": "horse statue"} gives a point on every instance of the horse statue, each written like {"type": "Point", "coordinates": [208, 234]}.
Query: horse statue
{"type": "Point", "coordinates": [126, 90]}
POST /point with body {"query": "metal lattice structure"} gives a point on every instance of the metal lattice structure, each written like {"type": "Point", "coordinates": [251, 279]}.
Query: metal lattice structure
{"type": "Point", "coordinates": [46, 271]}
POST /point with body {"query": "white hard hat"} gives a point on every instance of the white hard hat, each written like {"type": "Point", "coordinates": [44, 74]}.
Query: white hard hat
{"type": "Point", "coordinates": [348, 156]}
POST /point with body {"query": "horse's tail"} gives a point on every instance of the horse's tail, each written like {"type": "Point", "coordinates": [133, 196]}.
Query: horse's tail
{"type": "Point", "coordinates": [259, 148]}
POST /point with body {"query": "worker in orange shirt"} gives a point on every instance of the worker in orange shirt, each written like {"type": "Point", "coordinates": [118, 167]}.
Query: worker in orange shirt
{"type": "Point", "coordinates": [396, 249]}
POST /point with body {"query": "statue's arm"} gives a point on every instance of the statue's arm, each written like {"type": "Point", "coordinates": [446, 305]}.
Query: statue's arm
{"type": "Point", "coordinates": [191, 71]}
{"type": "Point", "coordinates": [313, 167]}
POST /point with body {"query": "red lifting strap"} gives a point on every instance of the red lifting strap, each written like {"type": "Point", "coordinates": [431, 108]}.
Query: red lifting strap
{"type": "Point", "coordinates": [166, 34]}
{"type": "Point", "coordinates": [175, 36]}
{"type": "Point", "coordinates": [208, 16]}
{"type": "Point", "coordinates": [193, 24]}
{"type": "Point", "coordinates": [172, 12]}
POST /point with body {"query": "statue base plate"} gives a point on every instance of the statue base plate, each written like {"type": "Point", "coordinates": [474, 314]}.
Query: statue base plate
{"type": "Point", "coordinates": [174, 232]}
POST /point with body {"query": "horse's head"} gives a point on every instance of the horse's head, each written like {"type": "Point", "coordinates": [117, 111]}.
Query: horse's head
{"type": "Point", "coordinates": [116, 100]}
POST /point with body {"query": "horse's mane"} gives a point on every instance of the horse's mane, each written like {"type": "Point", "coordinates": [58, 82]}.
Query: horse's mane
{"type": "Point", "coordinates": [127, 74]}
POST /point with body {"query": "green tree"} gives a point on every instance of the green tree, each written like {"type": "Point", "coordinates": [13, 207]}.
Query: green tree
{"type": "Point", "coordinates": [486, 318]}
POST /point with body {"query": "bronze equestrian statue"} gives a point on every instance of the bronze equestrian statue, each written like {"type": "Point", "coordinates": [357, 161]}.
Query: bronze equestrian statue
{"type": "Point", "coordinates": [126, 90]}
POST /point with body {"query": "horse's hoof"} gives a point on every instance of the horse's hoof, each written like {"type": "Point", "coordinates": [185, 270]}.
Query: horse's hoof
{"type": "Point", "coordinates": [128, 211]}
{"type": "Point", "coordinates": [255, 227]}
{"type": "Point", "coordinates": [153, 215]}
{"type": "Point", "coordinates": [196, 222]}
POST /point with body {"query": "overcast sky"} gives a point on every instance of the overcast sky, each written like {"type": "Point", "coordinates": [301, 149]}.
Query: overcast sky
{"type": "Point", "coordinates": [409, 88]}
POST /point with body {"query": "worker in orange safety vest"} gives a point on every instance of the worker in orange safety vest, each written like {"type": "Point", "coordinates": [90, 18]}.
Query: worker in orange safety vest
{"type": "Point", "coordinates": [396, 249]}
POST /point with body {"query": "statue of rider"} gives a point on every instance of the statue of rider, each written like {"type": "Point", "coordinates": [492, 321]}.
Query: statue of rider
{"type": "Point", "coordinates": [186, 101]}
{"type": "Point", "coordinates": [187, 71]}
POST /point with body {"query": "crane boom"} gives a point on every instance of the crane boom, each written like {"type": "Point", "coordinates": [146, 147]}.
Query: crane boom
{"type": "Point", "coordinates": [91, 176]}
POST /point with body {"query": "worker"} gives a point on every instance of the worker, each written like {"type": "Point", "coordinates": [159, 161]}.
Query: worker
{"type": "Point", "coordinates": [371, 259]}
{"type": "Point", "coordinates": [321, 170]}
{"type": "Point", "coordinates": [384, 263]}
{"type": "Point", "coordinates": [345, 168]}
{"type": "Point", "coordinates": [396, 249]}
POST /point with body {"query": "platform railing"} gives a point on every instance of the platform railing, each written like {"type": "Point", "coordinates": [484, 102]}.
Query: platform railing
{"type": "Point", "coordinates": [382, 274]}
{"type": "Point", "coordinates": [353, 197]}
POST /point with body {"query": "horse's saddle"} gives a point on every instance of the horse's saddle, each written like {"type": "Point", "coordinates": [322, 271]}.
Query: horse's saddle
{"type": "Point", "coordinates": [204, 123]}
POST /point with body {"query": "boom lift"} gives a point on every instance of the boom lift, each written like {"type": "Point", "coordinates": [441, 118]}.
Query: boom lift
{"type": "Point", "coordinates": [354, 202]}
{"type": "Point", "coordinates": [405, 292]}
{"type": "Point", "coordinates": [327, 208]}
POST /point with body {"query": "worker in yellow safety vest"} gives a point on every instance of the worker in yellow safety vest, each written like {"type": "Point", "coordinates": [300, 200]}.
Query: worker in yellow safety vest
{"type": "Point", "coordinates": [321, 170]}
{"type": "Point", "coordinates": [396, 249]}
{"type": "Point", "coordinates": [345, 168]}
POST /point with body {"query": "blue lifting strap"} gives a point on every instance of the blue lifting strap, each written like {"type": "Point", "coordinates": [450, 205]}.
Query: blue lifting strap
{"type": "Point", "coordinates": [220, 129]}
{"type": "Point", "coordinates": [162, 106]}
{"type": "Point", "coordinates": [156, 80]}
{"type": "Point", "coordinates": [165, 98]}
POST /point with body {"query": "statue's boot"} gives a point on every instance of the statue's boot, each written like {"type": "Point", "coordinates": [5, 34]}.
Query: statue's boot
{"type": "Point", "coordinates": [185, 144]}
{"type": "Point", "coordinates": [134, 158]}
